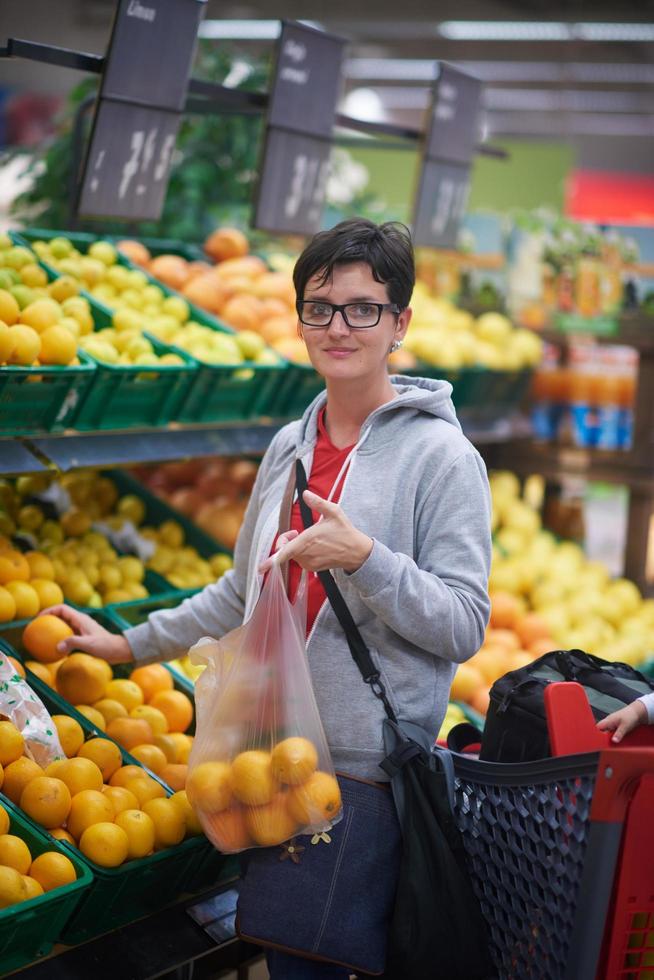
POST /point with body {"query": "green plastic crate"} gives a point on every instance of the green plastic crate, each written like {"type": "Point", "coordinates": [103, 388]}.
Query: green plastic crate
{"type": "Point", "coordinates": [301, 386]}
{"type": "Point", "coordinates": [137, 888]}
{"type": "Point", "coordinates": [490, 394]}
{"type": "Point", "coordinates": [34, 400]}
{"type": "Point", "coordinates": [30, 930]}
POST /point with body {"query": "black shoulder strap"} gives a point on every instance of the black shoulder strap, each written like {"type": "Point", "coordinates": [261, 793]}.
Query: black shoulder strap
{"type": "Point", "coordinates": [356, 643]}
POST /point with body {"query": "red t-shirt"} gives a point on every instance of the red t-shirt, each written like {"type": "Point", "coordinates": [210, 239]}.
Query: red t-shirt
{"type": "Point", "coordinates": [327, 462]}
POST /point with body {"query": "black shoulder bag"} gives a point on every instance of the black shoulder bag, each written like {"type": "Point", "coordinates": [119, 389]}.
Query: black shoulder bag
{"type": "Point", "coordinates": [437, 929]}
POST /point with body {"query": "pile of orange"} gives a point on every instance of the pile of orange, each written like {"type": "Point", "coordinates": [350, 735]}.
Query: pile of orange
{"type": "Point", "coordinates": [27, 582]}
{"type": "Point", "coordinates": [23, 877]}
{"type": "Point", "coordinates": [143, 713]}
{"type": "Point", "coordinates": [110, 811]}
{"type": "Point", "coordinates": [263, 798]}
{"type": "Point", "coordinates": [513, 639]}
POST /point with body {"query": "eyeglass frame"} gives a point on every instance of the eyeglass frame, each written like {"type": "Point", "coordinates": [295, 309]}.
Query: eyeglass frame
{"type": "Point", "coordinates": [341, 308]}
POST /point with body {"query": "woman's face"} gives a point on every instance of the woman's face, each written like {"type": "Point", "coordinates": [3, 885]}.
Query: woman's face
{"type": "Point", "coordinates": [338, 352]}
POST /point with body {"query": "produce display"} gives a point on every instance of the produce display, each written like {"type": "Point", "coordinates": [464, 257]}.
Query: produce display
{"type": "Point", "coordinates": [67, 525]}
{"type": "Point", "coordinates": [41, 322]}
{"type": "Point", "coordinates": [444, 336]}
{"type": "Point", "coordinates": [22, 875]}
{"type": "Point", "coordinates": [111, 811]}
{"type": "Point", "coordinates": [547, 595]}
{"type": "Point", "coordinates": [140, 306]}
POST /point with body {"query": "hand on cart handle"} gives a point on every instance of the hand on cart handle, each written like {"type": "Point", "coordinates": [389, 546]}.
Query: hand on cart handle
{"type": "Point", "coordinates": [90, 637]}
{"type": "Point", "coordinates": [624, 721]}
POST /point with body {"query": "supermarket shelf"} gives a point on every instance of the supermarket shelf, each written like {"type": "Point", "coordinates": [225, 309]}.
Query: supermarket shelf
{"type": "Point", "coordinates": [557, 462]}
{"type": "Point", "coordinates": [634, 329]}
{"type": "Point", "coordinates": [69, 450]}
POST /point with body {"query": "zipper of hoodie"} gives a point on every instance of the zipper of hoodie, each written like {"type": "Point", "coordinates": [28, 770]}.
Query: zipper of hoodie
{"type": "Point", "coordinates": [347, 466]}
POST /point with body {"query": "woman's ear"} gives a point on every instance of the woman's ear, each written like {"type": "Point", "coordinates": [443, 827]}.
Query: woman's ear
{"type": "Point", "coordinates": [403, 321]}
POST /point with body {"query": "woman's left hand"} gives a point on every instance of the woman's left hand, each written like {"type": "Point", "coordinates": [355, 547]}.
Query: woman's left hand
{"type": "Point", "coordinates": [333, 542]}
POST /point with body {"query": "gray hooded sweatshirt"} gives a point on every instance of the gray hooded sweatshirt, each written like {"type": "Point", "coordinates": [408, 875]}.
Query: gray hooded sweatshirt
{"type": "Point", "coordinates": [418, 488]}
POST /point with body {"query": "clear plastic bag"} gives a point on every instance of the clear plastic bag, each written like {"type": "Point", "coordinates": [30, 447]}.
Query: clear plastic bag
{"type": "Point", "coordinates": [26, 711]}
{"type": "Point", "coordinates": [260, 771]}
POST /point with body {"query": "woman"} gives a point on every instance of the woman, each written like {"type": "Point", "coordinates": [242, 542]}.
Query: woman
{"type": "Point", "coordinates": [403, 512]}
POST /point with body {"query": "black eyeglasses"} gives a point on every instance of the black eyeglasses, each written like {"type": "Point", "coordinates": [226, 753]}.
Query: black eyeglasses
{"type": "Point", "coordinates": [358, 316]}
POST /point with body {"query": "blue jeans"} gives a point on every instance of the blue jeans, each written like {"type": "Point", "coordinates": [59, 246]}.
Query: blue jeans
{"type": "Point", "coordinates": [283, 966]}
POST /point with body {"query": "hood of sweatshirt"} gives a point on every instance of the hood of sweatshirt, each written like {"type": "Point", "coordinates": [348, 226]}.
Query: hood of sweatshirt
{"type": "Point", "coordinates": [414, 396]}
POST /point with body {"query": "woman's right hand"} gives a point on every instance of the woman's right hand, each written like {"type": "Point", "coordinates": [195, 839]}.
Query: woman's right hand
{"type": "Point", "coordinates": [89, 637]}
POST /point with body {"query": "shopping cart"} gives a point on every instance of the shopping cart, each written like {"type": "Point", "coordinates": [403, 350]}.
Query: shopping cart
{"type": "Point", "coordinates": [561, 851]}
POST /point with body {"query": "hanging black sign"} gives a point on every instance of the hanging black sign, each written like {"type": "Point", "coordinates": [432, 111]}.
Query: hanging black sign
{"type": "Point", "coordinates": [297, 145]}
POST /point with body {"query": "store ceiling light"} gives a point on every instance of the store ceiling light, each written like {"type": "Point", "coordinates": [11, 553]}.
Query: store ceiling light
{"type": "Point", "coordinates": [504, 30]}
{"type": "Point", "coordinates": [393, 69]}
{"type": "Point", "coordinates": [240, 30]}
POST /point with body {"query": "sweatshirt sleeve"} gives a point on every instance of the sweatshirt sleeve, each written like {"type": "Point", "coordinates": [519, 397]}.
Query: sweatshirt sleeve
{"type": "Point", "coordinates": [439, 602]}
{"type": "Point", "coordinates": [648, 701]}
{"type": "Point", "coordinates": [216, 610]}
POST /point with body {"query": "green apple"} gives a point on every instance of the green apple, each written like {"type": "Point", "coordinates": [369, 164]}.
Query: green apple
{"type": "Point", "coordinates": [177, 308]}
{"type": "Point", "coordinates": [17, 256]}
{"type": "Point", "coordinates": [250, 344]}
{"type": "Point", "coordinates": [104, 252]}
{"type": "Point", "coordinates": [23, 295]}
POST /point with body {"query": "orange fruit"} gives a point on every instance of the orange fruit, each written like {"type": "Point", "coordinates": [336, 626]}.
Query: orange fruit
{"type": "Point", "coordinates": [58, 345]}
{"type": "Point", "coordinates": [12, 887]}
{"type": "Point", "coordinates": [183, 744]}
{"type": "Point", "coordinates": [93, 715]}
{"type": "Point", "coordinates": [54, 667]}
{"type": "Point", "coordinates": [167, 745]}
{"type": "Point", "coordinates": [46, 800]}
{"type": "Point", "coordinates": [521, 658]}
{"type": "Point", "coordinates": [4, 820]}
{"type": "Point", "coordinates": [79, 774]}
{"type": "Point", "coordinates": [127, 692]}
{"type": "Point", "coordinates": [59, 833]}
{"type": "Point", "coordinates": [52, 870]}
{"type": "Point", "coordinates": [293, 760]}
{"type": "Point", "coordinates": [106, 844]}
{"type": "Point", "coordinates": [151, 757]}
{"type": "Point", "coordinates": [17, 776]}
{"type": "Point", "coordinates": [152, 679]}
{"type": "Point", "coordinates": [145, 788]}
{"type": "Point", "coordinates": [541, 646]}
{"type": "Point", "coordinates": [209, 787]}
{"type": "Point", "coordinates": [505, 610]}
{"type": "Point", "coordinates": [25, 597]}
{"type": "Point", "coordinates": [7, 606]}
{"type": "Point", "coordinates": [272, 823]}
{"type": "Point", "coordinates": [105, 753]}
{"type": "Point", "coordinates": [88, 807]}
{"type": "Point", "coordinates": [121, 798]}
{"type": "Point", "coordinates": [181, 801]}
{"type": "Point", "coordinates": [49, 593]}
{"type": "Point", "coordinates": [532, 627]}
{"type": "Point", "coordinates": [168, 820]}
{"type": "Point", "coordinates": [465, 682]}
{"type": "Point", "coordinates": [155, 718]}
{"type": "Point", "coordinates": [316, 800]}
{"type": "Point", "coordinates": [71, 734]}
{"type": "Point", "coordinates": [41, 671]}
{"type": "Point", "coordinates": [14, 853]}
{"type": "Point", "coordinates": [139, 830]}
{"type": "Point", "coordinates": [41, 636]}
{"type": "Point", "coordinates": [13, 567]}
{"type": "Point", "coordinates": [174, 774]}
{"type": "Point", "coordinates": [177, 708]}
{"type": "Point", "coordinates": [130, 732]}
{"type": "Point", "coordinates": [2, 776]}
{"type": "Point", "coordinates": [40, 565]}
{"type": "Point", "coordinates": [226, 243]}
{"type": "Point", "coordinates": [122, 775]}
{"type": "Point", "coordinates": [228, 830]}
{"type": "Point", "coordinates": [502, 637]}
{"type": "Point", "coordinates": [110, 709]}
{"type": "Point", "coordinates": [251, 778]}
{"type": "Point", "coordinates": [492, 662]}
{"type": "Point", "coordinates": [17, 665]}
{"type": "Point", "coordinates": [83, 679]}
{"type": "Point", "coordinates": [53, 768]}
{"type": "Point", "coordinates": [12, 743]}
{"type": "Point", "coordinates": [480, 700]}
{"type": "Point", "coordinates": [32, 887]}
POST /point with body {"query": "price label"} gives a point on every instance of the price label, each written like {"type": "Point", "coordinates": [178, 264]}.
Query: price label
{"type": "Point", "coordinates": [151, 52]}
{"type": "Point", "coordinates": [441, 203]}
{"type": "Point", "coordinates": [293, 184]}
{"type": "Point", "coordinates": [126, 173]}
{"type": "Point", "coordinates": [295, 163]}
{"type": "Point", "coordinates": [454, 119]}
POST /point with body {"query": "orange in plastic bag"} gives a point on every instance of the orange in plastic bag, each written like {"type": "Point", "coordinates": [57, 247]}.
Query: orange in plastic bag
{"type": "Point", "coordinates": [260, 771]}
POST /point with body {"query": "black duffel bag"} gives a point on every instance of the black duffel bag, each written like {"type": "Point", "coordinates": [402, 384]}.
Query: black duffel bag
{"type": "Point", "coordinates": [516, 724]}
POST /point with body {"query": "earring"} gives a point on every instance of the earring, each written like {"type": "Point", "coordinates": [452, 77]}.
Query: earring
{"type": "Point", "coordinates": [395, 346]}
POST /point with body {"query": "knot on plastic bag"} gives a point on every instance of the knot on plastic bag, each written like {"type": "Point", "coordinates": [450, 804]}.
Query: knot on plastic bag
{"type": "Point", "coordinates": [204, 652]}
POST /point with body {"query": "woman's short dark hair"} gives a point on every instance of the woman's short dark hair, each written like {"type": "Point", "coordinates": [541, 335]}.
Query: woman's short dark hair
{"type": "Point", "coordinates": [386, 248]}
